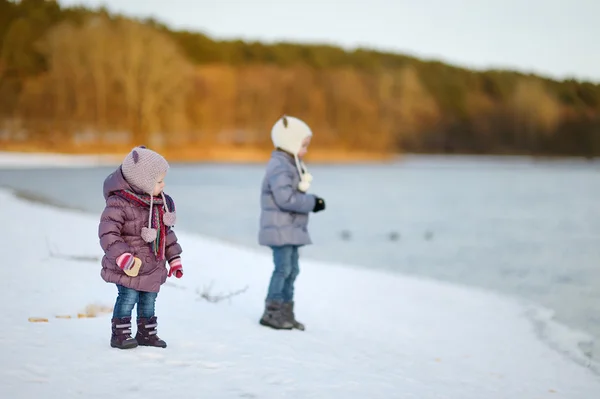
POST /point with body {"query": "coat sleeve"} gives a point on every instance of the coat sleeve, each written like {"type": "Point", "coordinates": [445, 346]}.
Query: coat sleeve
{"type": "Point", "coordinates": [286, 196]}
{"type": "Point", "coordinates": [173, 249]}
{"type": "Point", "coordinates": [109, 232]}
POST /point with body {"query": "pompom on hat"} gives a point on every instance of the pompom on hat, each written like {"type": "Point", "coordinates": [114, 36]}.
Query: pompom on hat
{"type": "Point", "coordinates": [142, 168]}
{"type": "Point", "coordinates": [288, 133]}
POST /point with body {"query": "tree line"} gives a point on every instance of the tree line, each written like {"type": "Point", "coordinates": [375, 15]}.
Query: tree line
{"type": "Point", "coordinates": [88, 77]}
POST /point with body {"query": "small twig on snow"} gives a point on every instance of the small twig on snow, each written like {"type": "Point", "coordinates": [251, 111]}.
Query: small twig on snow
{"type": "Point", "coordinates": [206, 295]}
{"type": "Point", "coordinates": [79, 258]}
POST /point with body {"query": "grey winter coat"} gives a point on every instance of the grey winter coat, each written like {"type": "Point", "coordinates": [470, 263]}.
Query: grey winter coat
{"type": "Point", "coordinates": [284, 209]}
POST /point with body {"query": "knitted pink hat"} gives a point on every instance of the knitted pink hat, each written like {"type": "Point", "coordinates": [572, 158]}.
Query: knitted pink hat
{"type": "Point", "coordinates": [143, 168]}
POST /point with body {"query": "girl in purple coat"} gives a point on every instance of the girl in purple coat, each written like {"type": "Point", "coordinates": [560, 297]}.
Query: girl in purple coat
{"type": "Point", "coordinates": [136, 235]}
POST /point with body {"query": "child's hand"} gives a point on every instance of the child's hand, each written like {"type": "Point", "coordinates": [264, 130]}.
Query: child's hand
{"type": "Point", "coordinates": [129, 264]}
{"type": "Point", "coordinates": [175, 268]}
{"type": "Point", "coordinates": [319, 205]}
{"type": "Point", "coordinates": [126, 261]}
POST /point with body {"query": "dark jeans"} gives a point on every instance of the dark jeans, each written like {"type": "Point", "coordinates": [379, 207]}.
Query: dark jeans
{"type": "Point", "coordinates": [128, 298]}
{"type": "Point", "coordinates": [281, 288]}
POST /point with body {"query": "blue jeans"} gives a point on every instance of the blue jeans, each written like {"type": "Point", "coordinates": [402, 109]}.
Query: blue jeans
{"type": "Point", "coordinates": [127, 298]}
{"type": "Point", "coordinates": [281, 288]}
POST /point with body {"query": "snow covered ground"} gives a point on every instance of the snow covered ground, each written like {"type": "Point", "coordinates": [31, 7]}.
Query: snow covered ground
{"type": "Point", "coordinates": [369, 335]}
{"type": "Point", "coordinates": [10, 160]}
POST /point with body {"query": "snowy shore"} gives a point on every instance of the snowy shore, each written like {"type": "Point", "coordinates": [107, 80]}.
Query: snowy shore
{"type": "Point", "coordinates": [22, 160]}
{"type": "Point", "coordinates": [369, 334]}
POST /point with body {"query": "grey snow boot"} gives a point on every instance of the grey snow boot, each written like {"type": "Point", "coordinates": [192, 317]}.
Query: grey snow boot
{"type": "Point", "coordinates": [273, 317]}
{"type": "Point", "coordinates": [121, 334]}
{"type": "Point", "coordinates": [288, 313]}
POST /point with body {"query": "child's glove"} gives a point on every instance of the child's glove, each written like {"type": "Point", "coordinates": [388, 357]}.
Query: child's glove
{"type": "Point", "coordinates": [319, 205]}
{"type": "Point", "coordinates": [129, 264]}
{"type": "Point", "coordinates": [175, 268]}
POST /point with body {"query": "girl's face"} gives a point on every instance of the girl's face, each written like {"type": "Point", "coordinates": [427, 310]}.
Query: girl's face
{"type": "Point", "coordinates": [304, 148]}
{"type": "Point", "coordinates": [159, 186]}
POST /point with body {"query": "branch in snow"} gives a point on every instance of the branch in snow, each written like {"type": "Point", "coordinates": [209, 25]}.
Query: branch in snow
{"type": "Point", "coordinates": [206, 295]}
{"type": "Point", "coordinates": [78, 258]}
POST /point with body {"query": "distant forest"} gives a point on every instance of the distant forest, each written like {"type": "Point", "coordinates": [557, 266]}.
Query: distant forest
{"type": "Point", "coordinates": [77, 76]}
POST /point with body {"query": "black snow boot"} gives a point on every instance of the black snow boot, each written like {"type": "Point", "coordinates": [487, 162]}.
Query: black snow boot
{"type": "Point", "coordinates": [146, 333]}
{"type": "Point", "coordinates": [121, 334]}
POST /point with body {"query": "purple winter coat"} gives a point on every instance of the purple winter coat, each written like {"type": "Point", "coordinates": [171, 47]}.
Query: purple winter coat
{"type": "Point", "coordinates": [119, 232]}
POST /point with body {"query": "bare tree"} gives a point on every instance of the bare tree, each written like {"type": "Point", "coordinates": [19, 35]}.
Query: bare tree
{"type": "Point", "coordinates": [414, 107]}
{"type": "Point", "coordinates": [536, 112]}
{"type": "Point", "coordinates": [120, 65]}
{"type": "Point", "coordinates": [153, 73]}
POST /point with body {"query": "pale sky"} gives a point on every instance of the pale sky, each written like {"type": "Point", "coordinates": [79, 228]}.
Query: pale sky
{"type": "Point", "coordinates": [556, 38]}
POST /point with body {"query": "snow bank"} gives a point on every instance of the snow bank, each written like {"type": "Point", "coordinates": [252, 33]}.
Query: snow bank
{"type": "Point", "coordinates": [12, 160]}
{"type": "Point", "coordinates": [369, 335]}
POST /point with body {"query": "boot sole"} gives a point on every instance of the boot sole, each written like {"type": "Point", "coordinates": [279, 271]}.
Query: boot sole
{"type": "Point", "coordinates": [130, 346]}
{"type": "Point", "coordinates": [264, 323]}
{"type": "Point", "coordinates": [153, 346]}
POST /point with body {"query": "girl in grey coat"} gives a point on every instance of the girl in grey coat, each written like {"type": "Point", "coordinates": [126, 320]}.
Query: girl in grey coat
{"type": "Point", "coordinates": [285, 207]}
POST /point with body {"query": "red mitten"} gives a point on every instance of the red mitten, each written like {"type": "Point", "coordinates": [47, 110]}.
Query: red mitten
{"type": "Point", "coordinates": [175, 268]}
{"type": "Point", "coordinates": [125, 261]}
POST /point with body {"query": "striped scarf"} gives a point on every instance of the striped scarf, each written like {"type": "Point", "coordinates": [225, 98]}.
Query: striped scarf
{"type": "Point", "coordinates": [144, 200]}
